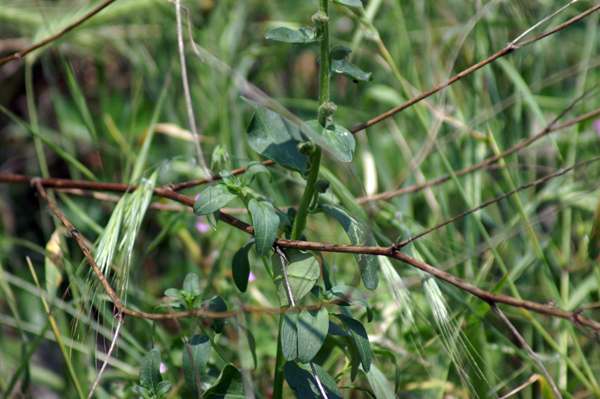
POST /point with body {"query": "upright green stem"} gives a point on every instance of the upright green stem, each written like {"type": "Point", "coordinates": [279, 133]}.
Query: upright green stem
{"type": "Point", "coordinates": [325, 60]}
{"type": "Point", "coordinates": [321, 20]}
{"type": "Point", "coordinates": [279, 364]}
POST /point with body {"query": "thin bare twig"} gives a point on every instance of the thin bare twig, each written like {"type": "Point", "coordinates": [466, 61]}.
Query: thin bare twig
{"type": "Point", "coordinates": [506, 50]}
{"type": "Point", "coordinates": [525, 345]}
{"type": "Point", "coordinates": [19, 55]}
{"type": "Point", "coordinates": [488, 203]}
{"type": "Point", "coordinates": [120, 320]}
{"type": "Point", "coordinates": [550, 128]}
{"type": "Point", "coordinates": [284, 263]}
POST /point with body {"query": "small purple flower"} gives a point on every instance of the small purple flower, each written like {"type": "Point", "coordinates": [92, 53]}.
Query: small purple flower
{"type": "Point", "coordinates": [596, 125]}
{"type": "Point", "coordinates": [252, 277]}
{"type": "Point", "coordinates": [202, 225]}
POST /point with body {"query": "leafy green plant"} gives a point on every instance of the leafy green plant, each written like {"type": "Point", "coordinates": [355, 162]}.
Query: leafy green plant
{"type": "Point", "coordinates": [295, 273]}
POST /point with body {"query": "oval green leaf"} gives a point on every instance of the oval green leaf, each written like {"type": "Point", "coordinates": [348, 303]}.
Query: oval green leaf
{"type": "Point", "coordinates": [358, 235]}
{"type": "Point", "coordinates": [229, 385]}
{"type": "Point", "coordinates": [150, 370]}
{"type": "Point", "coordinates": [213, 198]}
{"type": "Point", "coordinates": [213, 219]}
{"type": "Point", "coordinates": [301, 379]}
{"type": "Point", "coordinates": [303, 272]}
{"type": "Point", "coordinates": [286, 35]}
{"type": "Point", "coordinates": [380, 384]}
{"type": "Point", "coordinates": [334, 138]}
{"type": "Point", "coordinates": [231, 180]}
{"type": "Point", "coordinates": [289, 334]}
{"type": "Point", "coordinates": [195, 356]}
{"type": "Point", "coordinates": [339, 52]}
{"type": "Point", "coordinates": [240, 267]}
{"type": "Point", "coordinates": [312, 331]}
{"type": "Point", "coordinates": [216, 304]}
{"type": "Point", "coordinates": [191, 285]}
{"type": "Point", "coordinates": [276, 138]}
{"type": "Point", "coordinates": [266, 223]}
{"type": "Point", "coordinates": [163, 388]}
{"type": "Point", "coordinates": [349, 70]}
{"type": "Point", "coordinates": [359, 334]}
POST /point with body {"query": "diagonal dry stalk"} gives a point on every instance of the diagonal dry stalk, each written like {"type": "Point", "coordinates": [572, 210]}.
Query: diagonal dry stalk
{"type": "Point", "coordinates": [20, 54]}
{"type": "Point", "coordinates": [390, 252]}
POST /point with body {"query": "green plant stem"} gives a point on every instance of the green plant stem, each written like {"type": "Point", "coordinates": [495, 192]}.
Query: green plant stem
{"type": "Point", "coordinates": [324, 66]}
{"type": "Point", "coordinates": [309, 192]}
{"type": "Point", "coordinates": [279, 365]}
{"type": "Point", "coordinates": [315, 158]}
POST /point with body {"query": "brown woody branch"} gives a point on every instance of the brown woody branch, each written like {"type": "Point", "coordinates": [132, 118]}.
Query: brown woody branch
{"type": "Point", "coordinates": [506, 50]}
{"type": "Point", "coordinates": [391, 252]}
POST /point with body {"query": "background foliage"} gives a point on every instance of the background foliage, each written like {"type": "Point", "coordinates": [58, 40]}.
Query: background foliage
{"type": "Point", "coordinates": [93, 95]}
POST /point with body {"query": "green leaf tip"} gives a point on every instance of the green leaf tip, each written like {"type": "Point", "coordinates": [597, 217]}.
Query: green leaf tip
{"type": "Point", "coordinates": [334, 138]}
{"type": "Point", "coordinates": [348, 69]}
{"type": "Point", "coordinates": [286, 35]}
{"type": "Point", "coordinates": [213, 199]}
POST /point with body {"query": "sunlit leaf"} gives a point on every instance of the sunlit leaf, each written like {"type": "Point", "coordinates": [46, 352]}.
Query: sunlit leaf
{"type": "Point", "coordinates": [312, 330]}
{"type": "Point", "coordinates": [335, 139]}
{"type": "Point", "coordinates": [303, 272]}
{"type": "Point", "coordinates": [302, 35]}
{"type": "Point", "coordinates": [289, 334]}
{"type": "Point", "coordinates": [380, 384]}
{"type": "Point", "coordinates": [191, 285]}
{"type": "Point", "coordinates": [214, 198]}
{"type": "Point", "coordinates": [266, 223]}
{"type": "Point", "coordinates": [348, 69]}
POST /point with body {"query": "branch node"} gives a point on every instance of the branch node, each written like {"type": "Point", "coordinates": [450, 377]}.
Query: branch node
{"type": "Point", "coordinates": [35, 181]}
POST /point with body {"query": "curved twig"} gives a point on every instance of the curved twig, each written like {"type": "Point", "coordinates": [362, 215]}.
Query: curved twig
{"type": "Point", "coordinates": [391, 252]}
